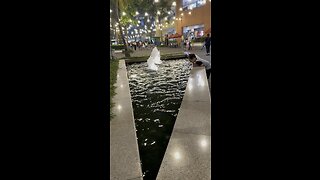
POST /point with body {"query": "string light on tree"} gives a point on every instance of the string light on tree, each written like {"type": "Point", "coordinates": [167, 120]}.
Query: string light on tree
{"type": "Point", "coordinates": [156, 1]}
{"type": "Point", "coordinates": [180, 9]}
{"type": "Point", "coordinates": [146, 14]}
{"type": "Point", "coordinates": [174, 3]}
{"type": "Point", "coordinates": [123, 13]}
{"type": "Point", "coordinates": [181, 14]}
{"type": "Point", "coordinates": [110, 11]}
{"type": "Point", "coordinates": [189, 13]}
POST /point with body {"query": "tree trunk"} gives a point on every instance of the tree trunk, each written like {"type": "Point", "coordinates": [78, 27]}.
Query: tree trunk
{"type": "Point", "coordinates": [126, 52]}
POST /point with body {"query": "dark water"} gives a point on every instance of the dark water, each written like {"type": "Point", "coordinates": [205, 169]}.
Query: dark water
{"type": "Point", "coordinates": [156, 99]}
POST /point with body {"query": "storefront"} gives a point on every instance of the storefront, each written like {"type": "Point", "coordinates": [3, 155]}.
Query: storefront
{"type": "Point", "coordinates": [194, 32]}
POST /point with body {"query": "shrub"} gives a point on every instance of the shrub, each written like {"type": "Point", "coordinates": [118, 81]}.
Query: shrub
{"type": "Point", "coordinates": [117, 47]}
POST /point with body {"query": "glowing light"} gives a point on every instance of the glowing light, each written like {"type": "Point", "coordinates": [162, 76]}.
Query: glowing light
{"type": "Point", "coordinates": [146, 14]}
{"type": "Point", "coordinates": [189, 12]}
{"type": "Point", "coordinates": [138, 21]}
{"type": "Point", "coordinates": [123, 13]}
{"type": "Point", "coordinates": [177, 155]}
{"type": "Point", "coordinates": [180, 9]}
{"type": "Point", "coordinates": [203, 143]}
{"type": "Point", "coordinates": [174, 4]}
{"type": "Point", "coordinates": [158, 12]}
{"type": "Point", "coordinates": [166, 18]}
{"type": "Point", "coordinates": [174, 17]}
{"type": "Point", "coordinates": [137, 13]}
{"type": "Point", "coordinates": [156, 1]}
{"type": "Point", "coordinates": [110, 11]}
{"type": "Point", "coordinates": [119, 107]}
{"type": "Point", "coordinates": [169, 12]}
{"type": "Point", "coordinates": [148, 20]}
{"type": "Point", "coordinates": [181, 14]}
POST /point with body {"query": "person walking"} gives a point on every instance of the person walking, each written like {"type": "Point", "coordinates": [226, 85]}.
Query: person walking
{"type": "Point", "coordinates": [207, 43]}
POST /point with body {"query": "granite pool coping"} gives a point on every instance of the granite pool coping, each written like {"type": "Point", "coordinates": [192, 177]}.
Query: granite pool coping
{"type": "Point", "coordinates": [124, 152]}
{"type": "Point", "coordinates": [188, 155]}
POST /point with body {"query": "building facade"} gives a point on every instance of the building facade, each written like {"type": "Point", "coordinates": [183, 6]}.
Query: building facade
{"type": "Point", "coordinates": [193, 18]}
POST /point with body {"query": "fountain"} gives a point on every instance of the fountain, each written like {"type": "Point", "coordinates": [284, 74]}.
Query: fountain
{"type": "Point", "coordinates": [156, 99]}
{"type": "Point", "coordinates": [154, 59]}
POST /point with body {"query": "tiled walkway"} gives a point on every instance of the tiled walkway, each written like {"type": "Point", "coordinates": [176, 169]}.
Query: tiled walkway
{"type": "Point", "coordinates": [188, 155]}
{"type": "Point", "coordinates": [124, 153]}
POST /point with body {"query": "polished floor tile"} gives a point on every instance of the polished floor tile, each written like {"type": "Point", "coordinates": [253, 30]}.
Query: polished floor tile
{"type": "Point", "coordinates": [124, 154]}
{"type": "Point", "coordinates": [188, 157]}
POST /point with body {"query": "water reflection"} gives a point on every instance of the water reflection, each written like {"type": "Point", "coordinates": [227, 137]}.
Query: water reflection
{"type": "Point", "coordinates": [156, 99]}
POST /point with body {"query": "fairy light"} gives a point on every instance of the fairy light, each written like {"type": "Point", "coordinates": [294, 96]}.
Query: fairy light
{"type": "Point", "coordinates": [137, 13]}
{"type": "Point", "coordinates": [174, 3]}
{"type": "Point", "coordinates": [146, 14]}
{"type": "Point", "coordinates": [189, 13]}
{"type": "Point", "coordinates": [181, 14]}
{"type": "Point", "coordinates": [180, 9]}
{"type": "Point", "coordinates": [123, 13]}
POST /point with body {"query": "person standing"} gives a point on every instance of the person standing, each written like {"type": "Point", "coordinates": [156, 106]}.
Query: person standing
{"type": "Point", "coordinates": [207, 43]}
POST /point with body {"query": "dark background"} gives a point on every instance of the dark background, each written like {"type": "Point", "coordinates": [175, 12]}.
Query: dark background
{"type": "Point", "coordinates": [55, 90]}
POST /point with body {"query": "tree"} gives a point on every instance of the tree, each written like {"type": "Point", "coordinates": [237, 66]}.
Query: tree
{"type": "Point", "coordinates": [120, 7]}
